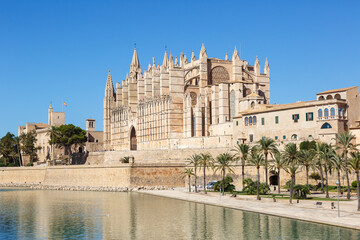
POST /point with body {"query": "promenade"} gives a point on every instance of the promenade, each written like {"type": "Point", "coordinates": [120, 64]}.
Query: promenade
{"type": "Point", "coordinates": [304, 210]}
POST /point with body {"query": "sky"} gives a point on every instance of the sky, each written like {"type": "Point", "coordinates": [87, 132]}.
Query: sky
{"type": "Point", "coordinates": [60, 51]}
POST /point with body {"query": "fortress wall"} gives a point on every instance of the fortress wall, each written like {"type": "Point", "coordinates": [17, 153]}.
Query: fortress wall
{"type": "Point", "coordinates": [22, 175]}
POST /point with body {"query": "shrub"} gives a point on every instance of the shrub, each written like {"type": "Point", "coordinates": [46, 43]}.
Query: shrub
{"type": "Point", "coordinates": [228, 187]}
{"type": "Point", "coordinates": [29, 165]}
{"type": "Point", "coordinates": [312, 187]}
{"type": "Point", "coordinates": [125, 159]}
{"type": "Point", "coordinates": [11, 165]}
{"type": "Point", "coordinates": [353, 184]}
{"type": "Point", "coordinates": [301, 191]}
{"type": "Point", "coordinates": [250, 187]}
{"type": "Point", "coordinates": [315, 176]}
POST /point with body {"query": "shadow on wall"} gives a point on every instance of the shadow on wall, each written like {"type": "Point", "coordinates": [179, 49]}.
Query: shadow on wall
{"type": "Point", "coordinates": [79, 158]}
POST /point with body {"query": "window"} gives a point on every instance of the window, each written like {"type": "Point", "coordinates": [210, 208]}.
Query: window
{"type": "Point", "coordinates": [339, 112]}
{"type": "Point", "coordinates": [294, 137]}
{"type": "Point", "coordinates": [320, 114]}
{"type": "Point", "coordinates": [310, 136]}
{"type": "Point", "coordinates": [295, 117]}
{"type": "Point", "coordinates": [251, 137]}
{"type": "Point", "coordinates": [332, 112]}
{"type": "Point", "coordinates": [326, 113]}
{"type": "Point", "coordinates": [326, 125]}
{"type": "Point", "coordinates": [262, 121]}
{"type": "Point", "coordinates": [284, 137]}
{"type": "Point", "coordinates": [309, 116]}
{"type": "Point", "coordinates": [237, 123]}
{"type": "Point", "coordinates": [246, 121]}
{"type": "Point", "coordinates": [254, 120]}
{"type": "Point", "coordinates": [276, 137]}
{"type": "Point", "coordinates": [276, 119]}
{"type": "Point", "coordinates": [250, 120]}
{"type": "Point", "coordinates": [343, 112]}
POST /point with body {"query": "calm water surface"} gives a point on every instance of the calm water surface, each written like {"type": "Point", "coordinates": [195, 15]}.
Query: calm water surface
{"type": "Point", "coordinates": [39, 214]}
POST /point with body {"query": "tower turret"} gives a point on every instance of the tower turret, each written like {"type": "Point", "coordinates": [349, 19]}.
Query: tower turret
{"type": "Point", "coordinates": [257, 67]}
{"type": "Point", "coordinates": [267, 68]}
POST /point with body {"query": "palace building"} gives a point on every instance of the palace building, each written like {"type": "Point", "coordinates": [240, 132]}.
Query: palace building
{"type": "Point", "coordinates": [182, 103]}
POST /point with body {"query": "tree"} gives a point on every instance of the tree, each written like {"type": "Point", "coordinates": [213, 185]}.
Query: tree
{"type": "Point", "coordinates": [355, 165]}
{"type": "Point", "coordinates": [8, 149]}
{"type": "Point", "coordinates": [257, 160]}
{"type": "Point", "coordinates": [68, 136]}
{"type": "Point", "coordinates": [205, 161]}
{"type": "Point", "coordinates": [325, 152]}
{"type": "Point", "coordinates": [318, 164]}
{"type": "Point", "coordinates": [28, 145]}
{"type": "Point", "coordinates": [267, 145]}
{"type": "Point", "coordinates": [242, 152]}
{"type": "Point", "coordinates": [338, 164]}
{"type": "Point", "coordinates": [292, 168]}
{"type": "Point", "coordinates": [223, 163]}
{"type": "Point", "coordinates": [306, 158]}
{"type": "Point", "coordinates": [344, 144]}
{"type": "Point", "coordinates": [277, 165]}
{"type": "Point", "coordinates": [194, 160]}
{"type": "Point", "coordinates": [188, 173]}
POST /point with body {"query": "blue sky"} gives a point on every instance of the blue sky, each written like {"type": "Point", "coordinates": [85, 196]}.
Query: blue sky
{"type": "Point", "coordinates": [56, 51]}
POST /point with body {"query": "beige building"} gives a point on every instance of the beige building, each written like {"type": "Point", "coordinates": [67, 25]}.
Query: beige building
{"type": "Point", "coordinates": [333, 112]}
{"type": "Point", "coordinates": [182, 104]}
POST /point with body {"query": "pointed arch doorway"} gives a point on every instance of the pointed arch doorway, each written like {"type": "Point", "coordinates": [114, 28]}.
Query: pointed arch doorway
{"type": "Point", "coordinates": [133, 141]}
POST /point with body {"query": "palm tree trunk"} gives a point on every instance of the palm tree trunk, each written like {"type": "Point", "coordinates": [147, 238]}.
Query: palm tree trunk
{"type": "Point", "coordinates": [257, 185]}
{"type": "Point", "coordinates": [347, 177]}
{"type": "Point", "coordinates": [291, 188]}
{"type": "Point", "coordinates": [327, 182]}
{"type": "Point", "coordinates": [279, 181]}
{"type": "Point", "coordinates": [189, 184]}
{"type": "Point", "coordinates": [358, 189]}
{"type": "Point", "coordinates": [204, 179]}
{"type": "Point", "coordinates": [195, 178]}
{"type": "Point", "coordinates": [322, 178]}
{"type": "Point", "coordinates": [307, 175]}
{"type": "Point", "coordinates": [223, 183]}
{"type": "Point", "coordinates": [242, 174]}
{"type": "Point", "coordinates": [339, 179]}
{"type": "Point", "coordinates": [266, 168]}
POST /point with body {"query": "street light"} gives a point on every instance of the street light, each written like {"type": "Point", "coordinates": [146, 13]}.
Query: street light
{"type": "Point", "coordinates": [343, 186]}
{"type": "Point", "coordinates": [338, 205]}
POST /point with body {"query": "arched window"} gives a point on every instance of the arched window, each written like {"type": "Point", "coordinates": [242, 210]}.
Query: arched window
{"type": "Point", "coordinates": [193, 123]}
{"type": "Point", "coordinates": [332, 112]}
{"type": "Point", "coordinates": [343, 112]}
{"type": "Point", "coordinates": [326, 113]}
{"type": "Point", "coordinates": [232, 104]}
{"type": "Point", "coordinates": [252, 105]}
{"type": "Point", "coordinates": [218, 75]}
{"type": "Point", "coordinates": [250, 120]}
{"type": "Point", "coordinates": [337, 96]}
{"type": "Point", "coordinates": [320, 113]}
{"type": "Point", "coordinates": [294, 137]}
{"type": "Point", "coordinates": [329, 97]}
{"type": "Point", "coordinates": [246, 121]}
{"type": "Point", "coordinates": [254, 120]}
{"type": "Point", "coordinates": [326, 125]}
{"type": "Point", "coordinates": [321, 98]}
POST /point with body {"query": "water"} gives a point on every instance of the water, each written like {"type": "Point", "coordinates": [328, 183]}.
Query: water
{"type": "Point", "coordinates": [39, 214]}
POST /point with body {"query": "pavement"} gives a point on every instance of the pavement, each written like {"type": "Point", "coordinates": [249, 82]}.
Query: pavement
{"type": "Point", "coordinates": [305, 210]}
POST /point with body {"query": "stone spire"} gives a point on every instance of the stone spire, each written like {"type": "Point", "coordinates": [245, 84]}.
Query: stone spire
{"type": "Point", "coordinates": [226, 57]}
{"type": "Point", "coordinates": [171, 60]}
{"type": "Point", "coordinates": [109, 85]}
{"type": "Point", "coordinates": [182, 63]}
{"type": "Point", "coordinates": [267, 68]}
{"type": "Point", "coordinates": [193, 56]}
{"type": "Point", "coordinates": [185, 59]}
{"type": "Point", "coordinates": [203, 53]}
{"type": "Point", "coordinates": [166, 60]}
{"type": "Point", "coordinates": [235, 56]}
{"type": "Point", "coordinates": [257, 66]}
{"type": "Point", "coordinates": [176, 62]}
{"type": "Point", "coordinates": [135, 60]}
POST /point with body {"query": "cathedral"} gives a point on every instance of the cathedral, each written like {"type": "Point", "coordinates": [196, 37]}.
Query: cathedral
{"type": "Point", "coordinates": [182, 103]}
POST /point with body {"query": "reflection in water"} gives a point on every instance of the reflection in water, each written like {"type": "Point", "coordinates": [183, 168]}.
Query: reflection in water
{"type": "Point", "coordinates": [37, 214]}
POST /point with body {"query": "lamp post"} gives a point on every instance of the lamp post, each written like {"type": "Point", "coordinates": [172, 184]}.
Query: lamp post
{"type": "Point", "coordinates": [338, 204]}
{"type": "Point", "coordinates": [343, 186]}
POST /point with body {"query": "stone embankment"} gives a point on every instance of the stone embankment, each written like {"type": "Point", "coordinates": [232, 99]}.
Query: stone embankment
{"type": "Point", "coordinates": [85, 188]}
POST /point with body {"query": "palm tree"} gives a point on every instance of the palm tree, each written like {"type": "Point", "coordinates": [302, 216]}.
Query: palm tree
{"type": "Point", "coordinates": [306, 158]}
{"type": "Point", "coordinates": [344, 144]}
{"type": "Point", "coordinates": [324, 153]}
{"type": "Point", "coordinates": [223, 163]}
{"type": "Point", "coordinates": [355, 164]}
{"type": "Point", "coordinates": [257, 160]}
{"type": "Point", "coordinates": [292, 168]}
{"type": "Point", "coordinates": [194, 160]}
{"type": "Point", "coordinates": [338, 164]}
{"type": "Point", "coordinates": [319, 162]}
{"type": "Point", "coordinates": [267, 145]}
{"type": "Point", "coordinates": [205, 161]}
{"type": "Point", "coordinates": [277, 164]}
{"type": "Point", "coordinates": [243, 151]}
{"type": "Point", "coordinates": [188, 173]}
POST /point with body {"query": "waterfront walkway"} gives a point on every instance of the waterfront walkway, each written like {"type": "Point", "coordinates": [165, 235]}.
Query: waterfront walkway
{"type": "Point", "coordinates": [306, 210]}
